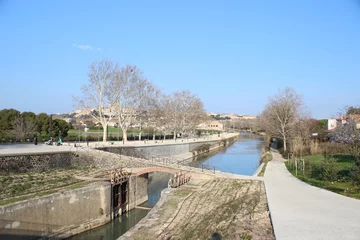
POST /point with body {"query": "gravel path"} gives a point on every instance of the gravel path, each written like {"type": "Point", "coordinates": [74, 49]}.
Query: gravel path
{"type": "Point", "coordinates": [300, 211]}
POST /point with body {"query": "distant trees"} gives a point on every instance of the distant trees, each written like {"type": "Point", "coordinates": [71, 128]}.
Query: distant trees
{"type": "Point", "coordinates": [282, 114]}
{"type": "Point", "coordinates": [16, 126]}
{"type": "Point", "coordinates": [352, 110]}
{"type": "Point", "coordinates": [126, 95]}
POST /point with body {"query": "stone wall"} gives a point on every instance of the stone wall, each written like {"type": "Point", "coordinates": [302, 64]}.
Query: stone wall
{"type": "Point", "coordinates": [105, 160]}
{"type": "Point", "coordinates": [60, 214]}
{"type": "Point", "coordinates": [39, 162]}
{"type": "Point", "coordinates": [35, 162]}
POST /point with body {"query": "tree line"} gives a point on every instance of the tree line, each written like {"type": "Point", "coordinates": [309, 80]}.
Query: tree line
{"type": "Point", "coordinates": [16, 126]}
{"type": "Point", "coordinates": [125, 95]}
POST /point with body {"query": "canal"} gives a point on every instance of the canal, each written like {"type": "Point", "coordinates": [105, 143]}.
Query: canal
{"type": "Point", "coordinates": [242, 157]}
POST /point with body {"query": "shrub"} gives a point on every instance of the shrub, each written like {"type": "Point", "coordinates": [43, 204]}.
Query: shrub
{"type": "Point", "coordinates": [355, 176]}
{"type": "Point", "coordinates": [328, 170]}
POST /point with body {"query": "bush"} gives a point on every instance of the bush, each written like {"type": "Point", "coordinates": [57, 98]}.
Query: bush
{"type": "Point", "coordinates": [355, 176]}
{"type": "Point", "coordinates": [328, 171]}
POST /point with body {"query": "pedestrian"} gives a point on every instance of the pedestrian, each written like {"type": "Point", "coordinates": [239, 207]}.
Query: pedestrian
{"type": "Point", "coordinates": [35, 140]}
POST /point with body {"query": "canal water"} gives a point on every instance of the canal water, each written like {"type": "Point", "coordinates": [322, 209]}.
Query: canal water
{"type": "Point", "coordinates": [120, 225]}
{"type": "Point", "coordinates": [242, 157]}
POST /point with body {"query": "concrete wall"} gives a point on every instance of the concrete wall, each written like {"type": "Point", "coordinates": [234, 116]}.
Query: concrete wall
{"type": "Point", "coordinates": [137, 190]}
{"type": "Point", "coordinates": [60, 214]}
{"type": "Point", "coordinates": [162, 150]}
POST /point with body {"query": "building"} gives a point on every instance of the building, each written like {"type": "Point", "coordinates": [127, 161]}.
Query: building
{"type": "Point", "coordinates": [212, 126]}
{"type": "Point", "coordinates": [333, 123]}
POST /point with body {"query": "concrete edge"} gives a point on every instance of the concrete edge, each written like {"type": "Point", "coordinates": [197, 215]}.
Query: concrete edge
{"type": "Point", "coordinates": [270, 215]}
{"type": "Point", "coordinates": [33, 153]}
{"type": "Point", "coordinates": [258, 170]}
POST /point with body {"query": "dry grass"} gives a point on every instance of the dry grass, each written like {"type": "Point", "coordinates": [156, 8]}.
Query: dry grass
{"type": "Point", "coordinates": [236, 209]}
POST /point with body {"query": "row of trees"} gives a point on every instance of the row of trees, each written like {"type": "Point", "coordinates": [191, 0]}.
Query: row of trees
{"type": "Point", "coordinates": [124, 94]}
{"type": "Point", "coordinates": [18, 126]}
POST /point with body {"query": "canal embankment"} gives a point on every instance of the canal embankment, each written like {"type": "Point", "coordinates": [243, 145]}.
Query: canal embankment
{"type": "Point", "coordinates": [16, 218]}
{"type": "Point", "coordinates": [233, 209]}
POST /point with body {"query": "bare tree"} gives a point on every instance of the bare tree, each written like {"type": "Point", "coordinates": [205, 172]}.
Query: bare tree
{"type": "Point", "coordinates": [97, 94]}
{"type": "Point", "coordinates": [281, 114]}
{"type": "Point", "coordinates": [23, 127]}
{"type": "Point", "coordinates": [134, 97]}
{"type": "Point", "coordinates": [182, 112]}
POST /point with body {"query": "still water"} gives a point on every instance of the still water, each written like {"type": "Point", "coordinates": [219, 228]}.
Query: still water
{"type": "Point", "coordinates": [242, 157]}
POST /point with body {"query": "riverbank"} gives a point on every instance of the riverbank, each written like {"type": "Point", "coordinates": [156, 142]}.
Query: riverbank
{"type": "Point", "coordinates": [235, 209]}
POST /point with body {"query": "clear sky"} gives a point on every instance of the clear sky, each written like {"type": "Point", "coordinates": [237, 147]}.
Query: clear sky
{"type": "Point", "coordinates": [232, 54]}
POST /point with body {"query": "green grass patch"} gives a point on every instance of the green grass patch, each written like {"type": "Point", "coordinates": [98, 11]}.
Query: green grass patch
{"type": "Point", "coordinates": [342, 163]}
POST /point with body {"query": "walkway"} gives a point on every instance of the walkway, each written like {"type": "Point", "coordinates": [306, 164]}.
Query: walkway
{"type": "Point", "coordinates": [6, 149]}
{"type": "Point", "coordinates": [300, 211]}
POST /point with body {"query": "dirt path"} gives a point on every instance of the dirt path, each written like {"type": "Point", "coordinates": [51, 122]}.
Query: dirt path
{"type": "Point", "coordinates": [236, 209]}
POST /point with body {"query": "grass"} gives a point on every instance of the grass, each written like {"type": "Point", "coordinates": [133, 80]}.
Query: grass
{"type": "Point", "coordinates": [266, 159]}
{"type": "Point", "coordinates": [342, 163]}
{"type": "Point", "coordinates": [183, 192]}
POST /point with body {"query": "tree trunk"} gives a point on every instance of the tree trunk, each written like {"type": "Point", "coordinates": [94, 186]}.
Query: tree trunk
{"type": "Point", "coordinates": [124, 135]}
{"type": "Point", "coordinates": [284, 142]}
{"type": "Point", "coordinates": [140, 133]}
{"type": "Point", "coordinates": [174, 135]}
{"type": "Point", "coordinates": [154, 136]}
{"type": "Point", "coordinates": [104, 133]}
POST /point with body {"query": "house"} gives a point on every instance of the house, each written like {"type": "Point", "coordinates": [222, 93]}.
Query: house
{"type": "Point", "coordinates": [212, 126]}
{"type": "Point", "coordinates": [333, 123]}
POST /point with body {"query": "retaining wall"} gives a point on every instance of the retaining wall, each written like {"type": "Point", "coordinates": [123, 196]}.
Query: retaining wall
{"type": "Point", "coordinates": [163, 150]}
{"type": "Point", "coordinates": [59, 214]}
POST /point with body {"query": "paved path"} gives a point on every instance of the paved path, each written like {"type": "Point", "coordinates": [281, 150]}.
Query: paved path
{"type": "Point", "coordinates": [300, 211]}
{"type": "Point", "coordinates": [41, 147]}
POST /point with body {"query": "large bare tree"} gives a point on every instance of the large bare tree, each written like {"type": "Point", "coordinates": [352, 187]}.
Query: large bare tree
{"type": "Point", "coordinates": [282, 114]}
{"type": "Point", "coordinates": [97, 94]}
{"type": "Point", "coordinates": [134, 97]}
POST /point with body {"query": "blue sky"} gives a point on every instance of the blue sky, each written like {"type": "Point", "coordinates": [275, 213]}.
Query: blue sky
{"type": "Point", "coordinates": [232, 54]}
